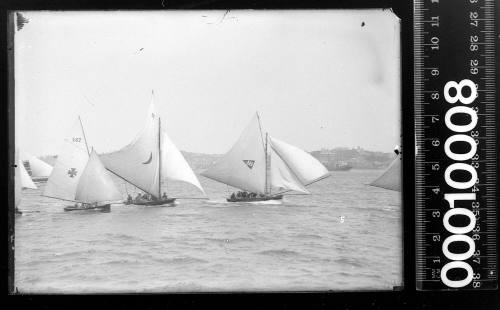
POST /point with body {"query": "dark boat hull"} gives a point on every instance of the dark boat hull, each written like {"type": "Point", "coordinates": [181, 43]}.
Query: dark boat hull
{"type": "Point", "coordinates": [103, 208]}
{"type": "Point", "coordinates": [255, 199]}
{"type": "Point", "coordinates": [152, 202]}
{"type": "Point", "coordinates": [40, 179]}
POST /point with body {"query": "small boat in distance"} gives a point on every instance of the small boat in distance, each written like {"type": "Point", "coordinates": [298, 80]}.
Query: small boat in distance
{"type": "Point", "coordinates": [265, 168]}
{"type": "Point", "coordinates": [80, 177]}
{"type": "Point", "coordinates": [391, 178]}
{"type": "Point", "coordinates": [338, 166]}
{"type": "Point", "coordinates": [21, 180]}
{"type": "Point", "coordinates": [149, 159]}
{"type": "Point", "coordinates": [38, 170]}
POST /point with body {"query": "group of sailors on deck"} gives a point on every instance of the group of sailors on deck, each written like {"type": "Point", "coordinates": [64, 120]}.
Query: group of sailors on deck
{"type": "Point", "coordinates": [83, 205]}
{"type": "Point", "coordinates": [145, 197]}
{"type": "Point", "coordinates": [244, 194]}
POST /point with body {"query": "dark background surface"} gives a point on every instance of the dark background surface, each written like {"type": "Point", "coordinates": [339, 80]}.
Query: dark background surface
{"type": "Point", "coordinates": [403, 298]}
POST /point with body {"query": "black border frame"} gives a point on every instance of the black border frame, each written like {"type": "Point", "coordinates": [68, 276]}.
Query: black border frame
{"type": "Point", "coordinates": [406, 298]}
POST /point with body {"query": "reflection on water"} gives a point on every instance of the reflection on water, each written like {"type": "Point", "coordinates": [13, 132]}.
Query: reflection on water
{"type": "Point", "coordinates": [346, 236]}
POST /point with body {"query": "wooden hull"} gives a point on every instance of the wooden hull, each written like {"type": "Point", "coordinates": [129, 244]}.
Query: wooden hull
{"type": "Point", "coordinates": [103, 208]}
{"type": "Point", "coordinates": [152, 202]}
{"type": "Point", "coordinates": [255, 199]}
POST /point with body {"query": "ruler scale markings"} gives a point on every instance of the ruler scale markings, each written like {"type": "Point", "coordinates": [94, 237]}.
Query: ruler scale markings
{"type": "Point", "coordinates": [466, 31]}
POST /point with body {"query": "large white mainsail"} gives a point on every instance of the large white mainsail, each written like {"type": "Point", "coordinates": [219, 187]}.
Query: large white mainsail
{"type": "Point", "coordinates": [150, 158]}
{"type": "Point", "coordinates": [307, 168]}
{"type": "Point", "coordinates": [139, 162]}
{"type": "Point", "coordinates": [244, 166]}
{"type": "Point", "coordinates": [95, 184]}
{"type": "Point", "coordinates": [174, 166]}
{"type": "Point", "coordinates": [286, 168]}
{"type": "Point", "coordinates": [39, 168]}
{"type": "Point", "coordinates": [71, 162]}
{"type": "Point", "coordinates": [391, 177]}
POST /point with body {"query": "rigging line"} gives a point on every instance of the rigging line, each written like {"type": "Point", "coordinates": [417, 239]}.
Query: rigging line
{"type": "Point", "coordinates": [130, 182]}
{"type": "Point", "coordinates": [84, 138]}
{"type": "Point", "coordinates": [260, 128]}
{"type": "Point", "coordinates": [60, 198]}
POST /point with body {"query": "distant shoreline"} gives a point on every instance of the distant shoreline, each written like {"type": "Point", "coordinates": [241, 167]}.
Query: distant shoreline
{"type": "Point", "coordinates": [357, 158]}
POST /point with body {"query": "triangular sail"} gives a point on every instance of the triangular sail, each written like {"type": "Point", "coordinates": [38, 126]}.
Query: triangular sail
{"type": "Point", "coordinates": [244, 166]}
{"type": "Point", "coordinates": [38, 167]}
{"type": "Point", "coordinates": [138, 162]}
{"type": "Point", "coordinates": [174, 166]}
{"type": "Point", "coordinates": [71, 162]}
{"type": "Point", "coordinates": [307, 168]}
{"type": "Point", "coordinates": [26, 181]}
{"type": "Point", "coordinates": [391, 178]}
{"type": "Point", "coordinates": [21, 179]}
{"type": "Point", "coordinates": [280, 176]}
{"type": "Point", "coordinates": [95, 184]}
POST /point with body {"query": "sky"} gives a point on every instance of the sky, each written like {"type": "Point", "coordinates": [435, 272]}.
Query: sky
{"type": "Point", "coordinates": [319, 79]}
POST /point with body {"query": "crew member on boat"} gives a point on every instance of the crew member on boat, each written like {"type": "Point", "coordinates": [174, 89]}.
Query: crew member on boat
{"type": "Point", "coordinates": [164, 196]}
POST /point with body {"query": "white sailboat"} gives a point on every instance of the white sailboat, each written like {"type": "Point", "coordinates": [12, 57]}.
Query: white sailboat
{"type": "Point", "coordinates": [391, 178]}
{"type": "Point", "coordinates": [265, 166]}
{"type": "Point", "coordinates": [79, 176]}
{"type": "Point", "coordinates": [150, 159]}
{"type": "Point", "coordinates": [21, 180]}
{"type": "Point", "coordinates": [37, 168]}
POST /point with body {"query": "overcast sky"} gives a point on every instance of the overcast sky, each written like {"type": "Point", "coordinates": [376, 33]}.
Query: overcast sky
{"type": "Point", "coordinates": [318, 78]}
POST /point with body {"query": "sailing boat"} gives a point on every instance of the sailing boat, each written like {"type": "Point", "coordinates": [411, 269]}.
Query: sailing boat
{"type": "Point", "coordinates": [21, 180]}
{"type": "Point", "coordinates": [79, 176]}
{"type": "Point", "coordinates": [391, 177]}
{"type": "Point", "coordinates": [265, 167]}
{"type": "Point", "coordinates": [149, 159]}
{"type": "Point", "coordinates": [36, 168]}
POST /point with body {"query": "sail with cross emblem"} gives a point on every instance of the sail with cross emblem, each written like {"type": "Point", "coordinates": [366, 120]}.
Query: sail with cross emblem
{"type": "Point", "coordinates": [71, 162]}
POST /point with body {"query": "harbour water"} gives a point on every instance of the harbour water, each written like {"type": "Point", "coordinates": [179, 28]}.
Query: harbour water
{"type": "Point", "coordinates": [345, 236]}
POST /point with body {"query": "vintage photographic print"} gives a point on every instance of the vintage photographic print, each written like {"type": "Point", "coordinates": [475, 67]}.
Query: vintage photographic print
{"type": "Point", "coordinates": [207, 151]}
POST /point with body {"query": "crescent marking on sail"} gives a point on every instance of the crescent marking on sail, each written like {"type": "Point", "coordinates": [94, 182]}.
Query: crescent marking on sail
{"type": "Point", "coordinates": [149, 160]}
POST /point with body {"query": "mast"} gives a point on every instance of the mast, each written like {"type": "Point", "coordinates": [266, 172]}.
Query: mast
{"type": "Point", "coordinates": [264, 144]}
{"type": "Point", "coordinates": [268, 189]}
{"type": "Point", "coordinates": [260, 128]}
{"type": "Point", "coordinates": [84, 138]}
{"type": "Point", "coordinates": [159, 158]}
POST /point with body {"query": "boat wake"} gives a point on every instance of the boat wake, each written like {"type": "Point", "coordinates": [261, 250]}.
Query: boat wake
{"type": "Point", "coordinates": [227, 203]}
{"type": "Point", "coordinates": [267, 202]}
